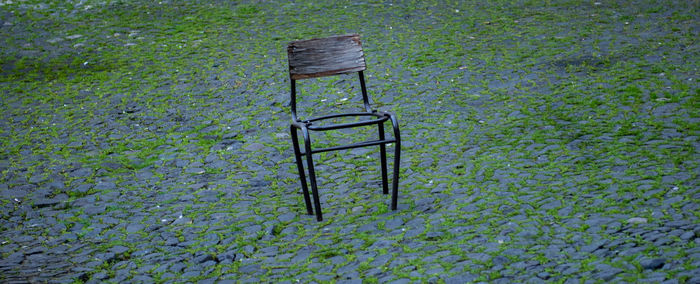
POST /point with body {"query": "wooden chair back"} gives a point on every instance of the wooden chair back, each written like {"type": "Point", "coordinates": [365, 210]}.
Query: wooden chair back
{"type": "Point", "coordinates": [325, 57]}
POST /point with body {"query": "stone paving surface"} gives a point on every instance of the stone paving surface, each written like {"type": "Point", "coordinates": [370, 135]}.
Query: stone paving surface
{"type": "Point", "coordinates": [147, 142]}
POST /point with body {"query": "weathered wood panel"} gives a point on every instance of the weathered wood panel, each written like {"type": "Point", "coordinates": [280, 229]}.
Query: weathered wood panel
{"type": "Point", "coordinates": [325, 56]}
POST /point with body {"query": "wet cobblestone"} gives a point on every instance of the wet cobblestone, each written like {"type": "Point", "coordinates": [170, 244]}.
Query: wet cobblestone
{"type": "Point", "coordinates": [541, 143]}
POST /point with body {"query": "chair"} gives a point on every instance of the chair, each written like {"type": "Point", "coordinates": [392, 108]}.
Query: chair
{"type": "Point", "coordinates": [327, 57]}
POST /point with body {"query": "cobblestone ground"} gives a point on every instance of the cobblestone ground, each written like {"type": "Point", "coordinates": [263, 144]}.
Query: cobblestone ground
{"type": "Point", "coordinates": [148, 142]}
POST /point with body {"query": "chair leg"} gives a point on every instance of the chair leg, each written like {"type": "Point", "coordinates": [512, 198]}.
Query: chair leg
{"type": "Point", "coordinates": [312, 174]}
{"type": "Point", "coordinates": [300, 167]}
{"type": "Point", "coordinates": [382, 153]}
{"type": "Point", "coordinates": [397, 162]}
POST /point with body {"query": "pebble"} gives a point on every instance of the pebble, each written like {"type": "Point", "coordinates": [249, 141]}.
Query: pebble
{"type": "Point", "coordinates": [134, 228]}
{"type": "Point", "coordinates": [286, 217]}
{"type": "Point", "coordinates": [381, 260]}
{"type": "Point", "coordinates": [197, 171]}
{"type": "Point", "coordinates": [654, 263]}
{"type": "Point", "coordinates": [254, 147]}
{"type": "Point", "coordinates": [637, 220]}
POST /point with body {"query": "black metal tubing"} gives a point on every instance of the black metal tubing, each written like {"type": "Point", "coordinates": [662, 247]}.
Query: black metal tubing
{"type": "Point", "coordinates": [300, 167]}
{"type": "Point", "coordinates": [312, 173]}
{"type": "Point", "coordinates": [346, 114]}
{"type": "Point", "coordinates": [382, 158]}
{"type": "Point", "coordinates": [365, 98]}
{"type": "Point", "coordinates": [352, 146]}
{"type": "Point", "coordinates": [347, 125]}
{"type": "Point", "coordinates": [293, 102]}
{"type": "Point", "coordinates": [307, 125]}
{"type": "Point", "coordinates": [397, 160]}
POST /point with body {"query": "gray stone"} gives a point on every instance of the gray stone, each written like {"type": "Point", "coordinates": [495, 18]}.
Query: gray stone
{"type": "Point", "coordinates": [663, 241]}
{"type": "Point", "coordinates": [550, 203]}
{"type": "Point", "coordinates": [56, 185]}
{"type": "Point", "coordinates": [413, 232]}
{"type": "Point", "coordinates": [393, 223]}
{"type": "Point", "coordinates": [677, 223]}
{"type": "Point", "coordinates": [191, 274]}
{"type": "Point", "coordinates": [637, 220]}
{"type": "Point", "coordinates": [177, 267]}
{"type": "Point", "coordinates": [204, 192]}
{"type": "Point", "coordinates": [593, 246]}
{"type": "Point", "coordinates": [181, 163]}
{"type": "Point", "coordinates": [228, 256]}
{"type": "Point", "coordinates": [259, 182]}
{"type": "Point", "coordinates": [99, 276]}
{"type": "Point", "coordinates": [608, 274]}
{"type": "Point", "coordinates": [105, 186]}
{"type": "Point", "coordinates": [203, 258]}
{"type": "Point", "coordinates": [254, 147]}
{"type": "Point", "coordinates": [195, 171]}
{"type": "Point", "coordinates": [465, 277]}
{"type": "Point", "coordinates": [348, 268]}
{"type": "Point", "coordinates": [696, 278]}
{"type": "Point", "coordinates": [106, 257]}
{"type": "Point", "coordinates": [182, 220]}
{"type": "Point", "coordinates": [687, 236]}
{"type": "Point", "coordinates": [381, 260]}
{"type": "Point", "coordinates": [111, 165]}
{"type": "Point", "coordinates": [379, 244]}
{"type": "Point", "coordinates": [82, 172]}
{"type": "Point", "coordinates": [250, 268]}
{"type": "Point", "coordinates": [253, 229]}
{"type": "Point", "coordinates": [324, 278]}
{"type": "Point", "coordinates": [219, 164]}
{"type": "Point", "coordinates": [434, 236]}
{"type": "Point", "coordinates": [500, 260]}
{"type": "Point", "coordinates": [12, 260]}
{"type": "Point", "coordinates": [13, 193]}
{"type": "Point", "coordinates": [45, 202]}
{"type": "Point", "coordinates": [655, 277]}
{"type": "Point", "coordinates": [359, 281]}
{"type": "Point", "coordinates": [134, 228]}
{"type": "Point", "coordinates": [167, 275]}
{"type": "Point", "coordinates": [119, 249]}
{"type": "Point", "coordinates": [654, 263]}
{"type": "Point", "coordinates": [337, 260]}
{"type": "Point", "coordinates": [142, 279]}
{"type": "Point", "coordinates": [479, 257]}
{"type": "Point", "coordinates": [286, 217]}
{"type": "Point", "coordinates": [367, 227]}
{"type": "Point", "coordinates": [94, 209]}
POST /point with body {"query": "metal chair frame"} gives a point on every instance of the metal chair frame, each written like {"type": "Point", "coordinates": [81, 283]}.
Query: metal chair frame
{"type": "Point", "coordinates": [328, 57]}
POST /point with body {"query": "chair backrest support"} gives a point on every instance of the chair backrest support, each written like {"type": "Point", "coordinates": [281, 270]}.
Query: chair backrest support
{"type": "Point", "coordinates": [326, 57]}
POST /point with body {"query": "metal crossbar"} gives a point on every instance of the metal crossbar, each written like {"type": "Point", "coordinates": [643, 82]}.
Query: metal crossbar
{"type": "Point", "coordinates": [351, 146]}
